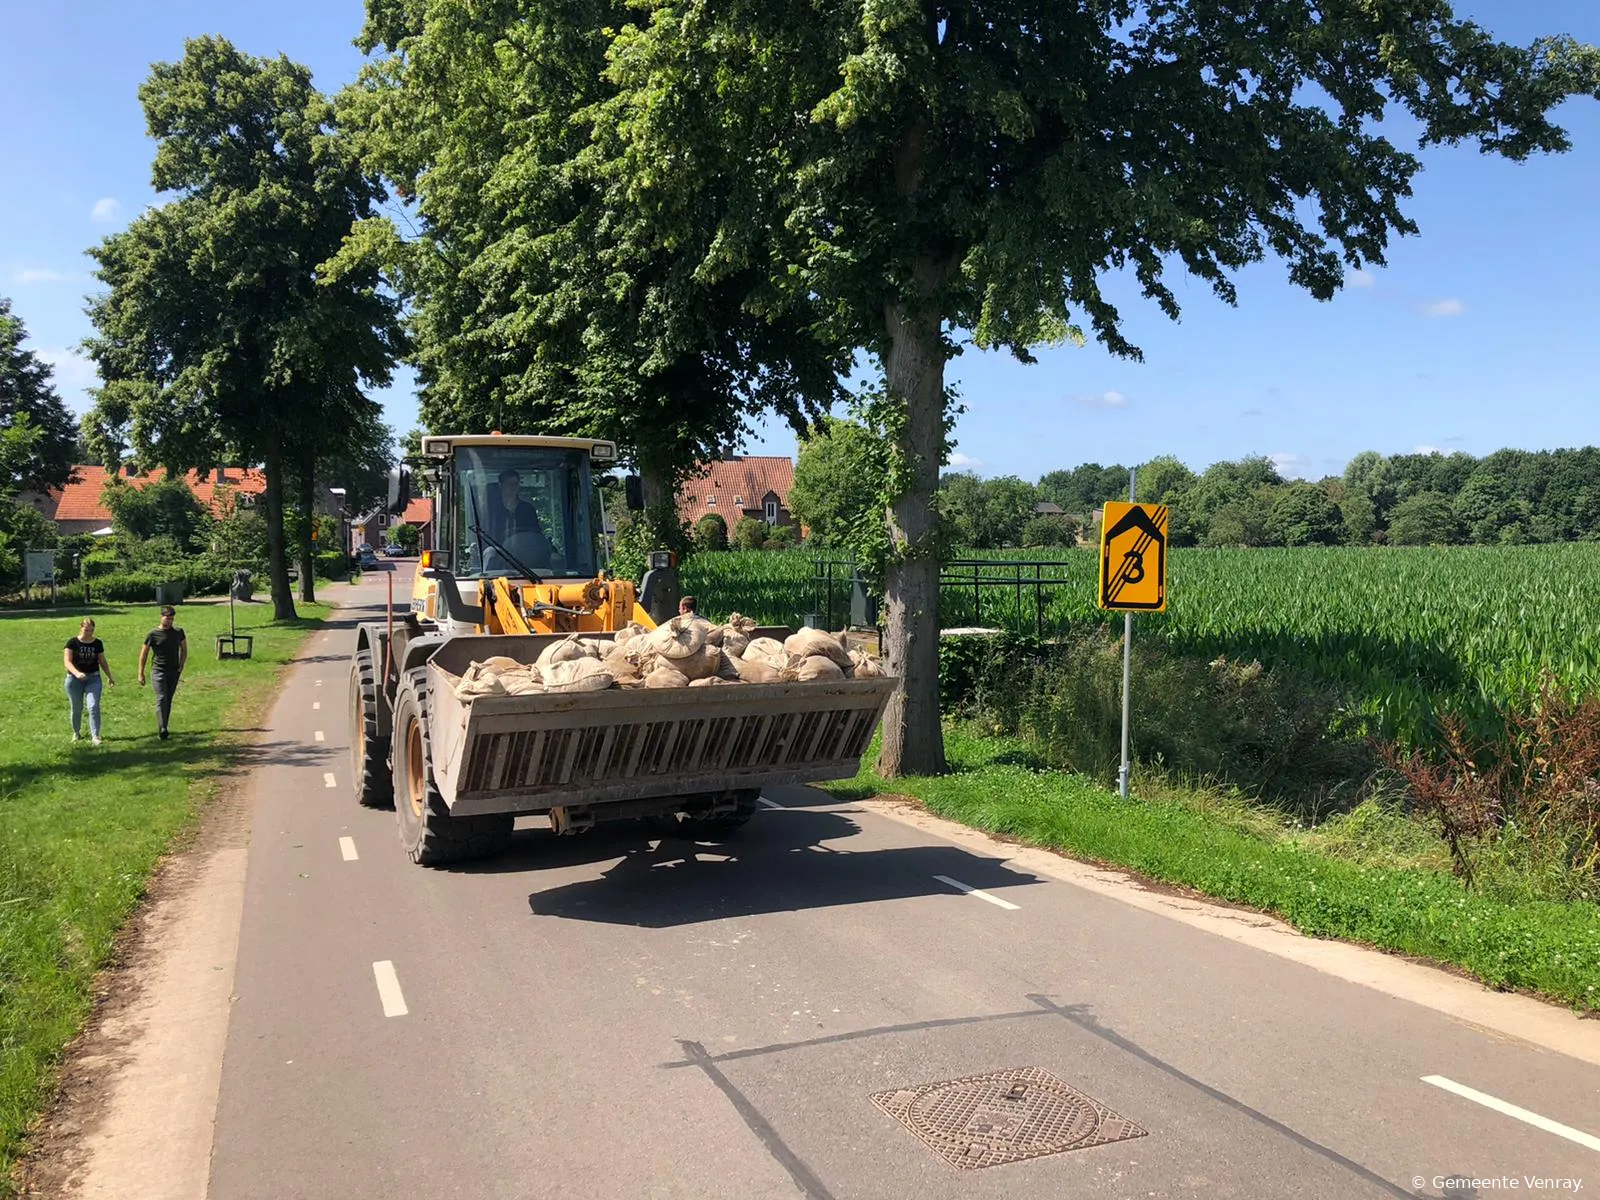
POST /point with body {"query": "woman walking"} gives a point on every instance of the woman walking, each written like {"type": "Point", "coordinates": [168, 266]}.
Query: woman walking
{"type": "Point", "coordinates": [85, 659]}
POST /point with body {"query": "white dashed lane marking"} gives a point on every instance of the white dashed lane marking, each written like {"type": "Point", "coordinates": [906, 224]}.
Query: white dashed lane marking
{"type": "Point", "coordinates": [394, 1004]}
{"type": "Point", "coordinates": [972, 891]}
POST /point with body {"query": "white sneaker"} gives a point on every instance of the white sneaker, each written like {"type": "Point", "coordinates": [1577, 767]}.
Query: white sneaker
{"type": "Point", "coordinates": [96, 741]}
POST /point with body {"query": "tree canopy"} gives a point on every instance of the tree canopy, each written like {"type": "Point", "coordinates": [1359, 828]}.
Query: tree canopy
{"type": "Point", "coordinates": [916, 169]}
{"type": "Point", "coordinates": [542, 301]}
{"type": "Point", "coordinates": [220, 338]}
{"type": "Point", "coordinates": [38, 437]}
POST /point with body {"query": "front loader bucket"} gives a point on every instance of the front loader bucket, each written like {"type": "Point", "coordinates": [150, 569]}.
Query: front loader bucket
{"type": "Point", "coordinates": [527, 754]}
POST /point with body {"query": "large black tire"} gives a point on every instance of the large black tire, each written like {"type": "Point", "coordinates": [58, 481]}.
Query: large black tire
{"type": "Point", "coordinates": [430, 836]}
{"type": "Point", "coordinates": [687, 825]}
{"type": "Point", "coordinates": [369, 753]}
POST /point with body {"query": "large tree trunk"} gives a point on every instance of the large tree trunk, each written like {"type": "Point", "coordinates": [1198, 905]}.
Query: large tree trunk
{"type": "Point", "coordinates": [308, 548]}
{"type": "Point", "coordinates": [913, 742]}
{"type": "Point", "coordinates": [277, 558]}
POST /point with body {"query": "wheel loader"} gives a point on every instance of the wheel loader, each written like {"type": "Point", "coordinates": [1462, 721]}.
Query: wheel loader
{"type": "Point", "coordinates": [519, 560]}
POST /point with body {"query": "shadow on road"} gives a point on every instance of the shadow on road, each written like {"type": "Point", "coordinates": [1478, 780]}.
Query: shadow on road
{"type": "Point", "coordinates": [778, 863]}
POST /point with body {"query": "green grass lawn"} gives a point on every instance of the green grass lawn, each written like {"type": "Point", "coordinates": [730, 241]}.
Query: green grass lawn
{"type": "Point", "coordinates": [1551, 949]}
{"type": "Point", "coordinates": [81, 827]}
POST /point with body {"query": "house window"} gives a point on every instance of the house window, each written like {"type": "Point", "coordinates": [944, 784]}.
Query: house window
{"type": "Point", "coordinates": [711, 501]}
{"type": "Point", "coordinates": [738, 501]}
{"type": "Point", "coordinates": [772, 512]}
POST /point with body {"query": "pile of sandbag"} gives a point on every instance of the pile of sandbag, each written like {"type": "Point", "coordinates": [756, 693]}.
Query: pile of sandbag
{"type": "Point", "coordinates": [687, 651]}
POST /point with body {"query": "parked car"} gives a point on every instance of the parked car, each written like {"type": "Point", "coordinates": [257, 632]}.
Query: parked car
{"type": "Point", "coordinates": [393, 551]}
{"type": "Point", "coordinates": [366, 558]}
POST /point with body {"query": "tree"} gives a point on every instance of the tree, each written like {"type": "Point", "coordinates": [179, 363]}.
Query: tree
{"type": "Point", "coordinates": [406, 536]}
{"type": "Point", "coordinates": [986, 513]}
{"type": "Point", "coordinates": [167, 508]}
{"type": "Point", "coordinates": [900, 172]}
{"type": "Point", "coordinates": [837, 478]}
{"type": "Point", "coordinates": [1241, 522]}
{"type": "Point", "coordinates": [1163, 479]}
{"type": "Point", "coordinates": [1303, 515]}
{"type": "Point", "coordinates": [544, 300]}
{"type": "Point", "coordinates": [1084, 488]}
{"type": "Point", "coordinates": [221, 338]}
{"type": "Point", "coordinates": [39, 435]}
{"type": "Point", "coordinates": [1360, 521]}
{"type": "Point", "coordinates": [711, 532]}
{"type": "Point", "coordinates": [1423, 520]}
{"type": "Point", "coordinates": [1050, 531]}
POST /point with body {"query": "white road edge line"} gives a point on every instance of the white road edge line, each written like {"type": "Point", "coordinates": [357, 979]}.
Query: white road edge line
{"type": "Point", "coordinates": [972, 891]}
{"type": "Point", "coordinates": [1511, 1110]}
{"type": "Point", "coordinates": [765, 803]}
{"type": "Point", "coordinates": [328, 780]}
{"type": "Point", "coordinates": [347, 847]}
{"type": "Point", "coordinates": [318, 736]}
{"type": "Point", "coordinates": [394, 1004]}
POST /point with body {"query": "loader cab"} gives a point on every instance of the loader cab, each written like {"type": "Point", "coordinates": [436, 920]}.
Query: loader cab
{"type": "Point", "coordinates": [515, 507]}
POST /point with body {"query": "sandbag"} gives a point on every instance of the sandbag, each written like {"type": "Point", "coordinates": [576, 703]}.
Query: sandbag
{"type": "Point", "coordinates": [709, 680]}
{"type": "Point", "coordinates": [521, 685]}
{"type": "Point", "coordinates": [483, 685]}
{"type": "Point", "coordinates": [734, 642]}
{"type": "Point", "coordinates": [754, 669]}
{"type": "Point", "coordinates": [576, 675]}
{"type": "Point", "coordinates": [808, 643]}
{"type": "Point", "coordinates": [567, 649]}
{"type": "Point", "coordinates": [770, 650]}
{"type": "Point", "coordinates": [627, 633]}
{"type": "Point", "coordinates": [708, 662]}
{"type": "Point", "coordinates": [818, 666]}
{"type": "Point", "coordinates": [864, 666]}
{"type": "Point", "coordinates": [678, 638]}
{"type": "Point", "coordinates": [501, 663]}
{"type": "Point", "coordinates": [665, 676]}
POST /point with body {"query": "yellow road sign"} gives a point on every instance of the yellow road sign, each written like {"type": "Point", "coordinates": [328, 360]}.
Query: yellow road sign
{"type": "Point", "coordinates": [1133, 557]}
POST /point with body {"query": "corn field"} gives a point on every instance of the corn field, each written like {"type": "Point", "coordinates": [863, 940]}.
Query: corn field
{"type": "Point", "coordinates": [1405, 632]}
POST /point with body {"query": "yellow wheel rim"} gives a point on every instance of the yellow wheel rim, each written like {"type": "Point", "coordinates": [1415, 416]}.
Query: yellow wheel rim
{"type": "Point", "coordinates": [416, 789]}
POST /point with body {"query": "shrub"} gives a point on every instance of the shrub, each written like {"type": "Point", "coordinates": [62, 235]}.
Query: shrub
{"type": "Point", "coordinates": [1271, 732]}
{"type": "Point", "coordinates": [750, 534]}
{"type": "Point", "coordinates": [711, 533]}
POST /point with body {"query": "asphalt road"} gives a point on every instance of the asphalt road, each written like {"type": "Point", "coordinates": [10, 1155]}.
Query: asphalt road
{"type": "Point", "coordinates": [608, 1016]}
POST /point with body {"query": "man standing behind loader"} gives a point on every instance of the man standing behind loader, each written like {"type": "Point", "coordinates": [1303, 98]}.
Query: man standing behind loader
{"type": "Point", "coordinates": [170, 649]}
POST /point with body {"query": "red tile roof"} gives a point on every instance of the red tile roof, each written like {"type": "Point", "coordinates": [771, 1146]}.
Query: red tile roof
{"type": "Point", "coordinates": [739, 485]}
{"type": "Point", "coordinates": [418, 512]}
{"type": "Point", "coordinates": [80, 499]}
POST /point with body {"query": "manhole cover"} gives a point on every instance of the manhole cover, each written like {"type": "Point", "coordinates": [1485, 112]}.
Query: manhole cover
{"type": "Point", "coordinates": [1002, 1117]}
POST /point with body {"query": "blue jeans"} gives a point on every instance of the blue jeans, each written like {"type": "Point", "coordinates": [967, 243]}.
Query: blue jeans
{"type": "Point", "coordinates": [79, 690]}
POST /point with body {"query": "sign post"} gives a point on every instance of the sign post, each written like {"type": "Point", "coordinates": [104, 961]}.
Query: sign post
{"type": "Point", "coordinates": [1133, 578]}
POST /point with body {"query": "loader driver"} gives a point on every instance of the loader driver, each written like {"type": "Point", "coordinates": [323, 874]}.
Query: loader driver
{"type": "Point", "coordinates": [514, 522]}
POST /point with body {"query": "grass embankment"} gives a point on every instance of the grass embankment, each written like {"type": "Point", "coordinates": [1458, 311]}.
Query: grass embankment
{"type": "Point", "coordinates": [1331, 882]}
{"type": "Point", "coordinates": [81, 827]}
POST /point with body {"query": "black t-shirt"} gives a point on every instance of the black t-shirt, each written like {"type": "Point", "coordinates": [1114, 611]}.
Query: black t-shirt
{"type": "Point", "coordinates": [164, 645]}
{"type": "Point", "coordinates": [86, 655]}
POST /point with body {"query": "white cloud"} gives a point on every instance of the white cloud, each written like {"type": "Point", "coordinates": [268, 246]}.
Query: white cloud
{"type": "Point", "coordinates": [1107, 399]}
{"type": "Point", "coordinates": [1448, 307]}
{"type": "Point", "coordinates": [73, 374]}
{"type": "Point", "coordinates": [1291, 466]}
{"type": "Point", "coordinates": [105, 209]}
{"type": "Point", "coordinates": [1361, 279]}
{"type": "Point", "coordinates": [960, 460]}
{"type": "Point", "coordinates": [1424, 448]}
{"type": "Point", "coordinates": [39, 275]}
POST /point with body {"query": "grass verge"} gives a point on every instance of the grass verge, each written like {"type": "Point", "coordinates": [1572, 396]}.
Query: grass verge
{"type": "Point", "coordinates": [82, 827]}
{"type": "Point", "coordinates": [997, 785]}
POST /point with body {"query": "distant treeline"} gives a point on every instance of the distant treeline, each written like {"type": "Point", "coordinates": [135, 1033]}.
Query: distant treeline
{"type": "Point", "coordinates": [1509, 497]}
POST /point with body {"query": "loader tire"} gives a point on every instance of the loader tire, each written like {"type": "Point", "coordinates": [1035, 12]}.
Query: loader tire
{"type": "Point", "coordinates": [430, 836]}
{"type": "Point", "coordinates": [369, 753]}
{"type": "Point", "coordinates": [684, 825]}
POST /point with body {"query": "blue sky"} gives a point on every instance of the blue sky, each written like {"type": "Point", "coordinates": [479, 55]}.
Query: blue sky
{"type": "Point", "coordinates": [1479, 334]}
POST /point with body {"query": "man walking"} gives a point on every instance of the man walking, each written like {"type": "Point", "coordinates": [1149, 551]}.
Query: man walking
{"type": "Point", "coordinates": [170, 650]}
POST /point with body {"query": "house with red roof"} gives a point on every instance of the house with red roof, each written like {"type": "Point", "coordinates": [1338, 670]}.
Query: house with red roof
{"type": "Point", "coordinates": [373, 528]}
{"type": "Point", "coordinates": [747, 485]}
{"type": "Point", "coordinates": [78, 507]}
